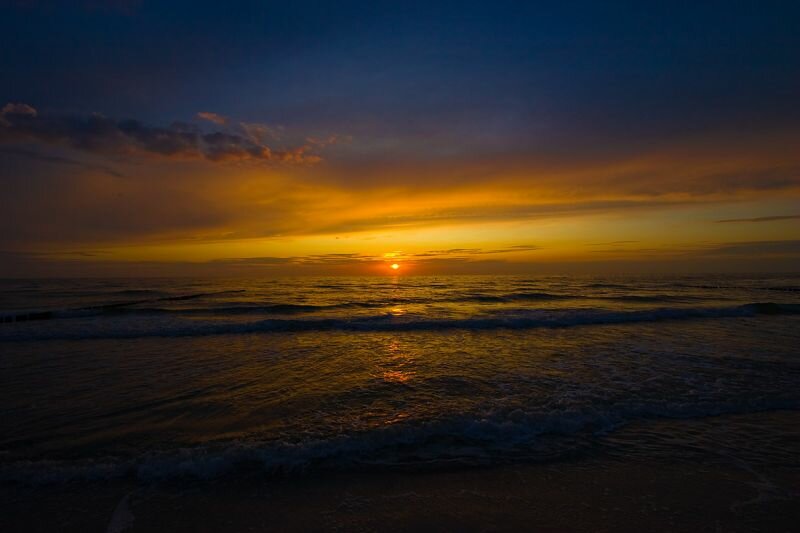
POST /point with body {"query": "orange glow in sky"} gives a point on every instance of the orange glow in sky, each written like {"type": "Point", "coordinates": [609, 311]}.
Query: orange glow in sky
{"type": "Point", "coordinates": [421, 158]}
{"type": "Point", "coordinates": [688, 205]}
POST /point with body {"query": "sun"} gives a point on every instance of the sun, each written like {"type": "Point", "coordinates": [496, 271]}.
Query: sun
{"type": "Point", "coordinates": [395, 266]}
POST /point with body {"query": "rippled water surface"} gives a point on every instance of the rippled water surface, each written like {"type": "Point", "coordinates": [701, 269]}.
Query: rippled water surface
{"type": "Point", "coordinates": [164, 378]}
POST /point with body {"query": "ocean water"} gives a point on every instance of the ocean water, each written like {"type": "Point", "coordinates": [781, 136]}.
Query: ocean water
{"type": "Point", "coordinates": [171, 378]}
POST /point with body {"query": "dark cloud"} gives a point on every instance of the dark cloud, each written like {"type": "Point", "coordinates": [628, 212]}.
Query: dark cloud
{"type": "Point", "coordinates": [306, 260]}
{"type": "Point", "coordinates": [102, 135]}
{"type": "Point", "coordinates": [760, 219]}
{"type": "Point", "coordinates": [67, 254]}
{"type": "Point", "coordinates": [255, 261]}
{"type": "Point", "coordinates": [639, 251]}
{"type": "Point", "coordinates": [612, 243]}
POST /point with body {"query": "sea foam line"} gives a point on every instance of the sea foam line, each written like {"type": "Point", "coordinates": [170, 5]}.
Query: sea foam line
{"type": "Point", "coordinates": [471, 439]}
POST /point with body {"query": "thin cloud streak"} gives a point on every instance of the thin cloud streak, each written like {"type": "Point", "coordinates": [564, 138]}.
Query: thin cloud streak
{"type": "Point", "coordinates": [760, 219]}
{"type": "Point", "coordinates": [60, 160]}
{"type": "Point", "coordinates": [754, 249]}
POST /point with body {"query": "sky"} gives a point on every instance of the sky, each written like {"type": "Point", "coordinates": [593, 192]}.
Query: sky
{"type": "Point", "coordinates": [144, 138]}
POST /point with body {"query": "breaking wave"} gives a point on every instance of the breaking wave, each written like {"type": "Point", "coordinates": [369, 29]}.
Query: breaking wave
{"type": "Point", "coordinates": [478, 439]}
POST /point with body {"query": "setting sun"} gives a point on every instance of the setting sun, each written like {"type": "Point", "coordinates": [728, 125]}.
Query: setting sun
{"type": "Point", "coordinates": [395, 266]}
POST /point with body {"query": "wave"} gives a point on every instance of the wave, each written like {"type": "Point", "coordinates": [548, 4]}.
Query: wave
{"type": "Point", "coordinates": [99, 309]}
{"type": "Point", "coordinates": [137, 292]}
{"type": "Point", "coordinates": [607, 286]}
{"type": "Point", "coordinates": [780, 288]}
{"type": "Point", "coordinates": [514, 297]}
{"type": "Point", "coordinates": [477, 439]}
{"type": "Point", "coordinates": [277, 308]}
{"type": "Point", "coordinates": [289, 308]}
{"type": "Point", "coordinates": [516, 320]}
{"type": "Point", "coordinates": [135, 307]}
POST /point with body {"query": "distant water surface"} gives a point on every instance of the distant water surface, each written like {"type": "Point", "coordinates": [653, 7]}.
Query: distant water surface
{"type": "Point", "coordinates": [171, 378]}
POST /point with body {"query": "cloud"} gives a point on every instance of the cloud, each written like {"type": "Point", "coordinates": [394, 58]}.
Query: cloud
{"type": "Point", "coordinates": [343, 259]}
{"type": "Point", "coordinates": [760, 219]}
{"type": "Point", "coordinates": [306, 260]}
{"type": "Point", "coordinates": [98, 134]}
{"type": "Point", "coordinates": [612, 243]}
{"type": "Point", "coordinates": [464, 253]}
{"type": "Point", "coordinates": [255, 261]}
{"type": "Point", "coordinates": [333, 139]}
{"type": "Point", "coordinates": [261, 133]}
{"type": "Point", "coordinates": [67, 254]}
{"type": "Point", "coordinates": [499, 212]}
{"type": "Point", "coordinates": [12, 109]}
{"type": "Point", "coordinates": [709, 257]}
{"type": "Point", "coordinates": [757, 248]}
{"type": "Point", "coordinates": [212, 117]}
{"type": "Point", "coordinates": [751, 249]}
{"type": "Point", "coordinates": [59, 160]}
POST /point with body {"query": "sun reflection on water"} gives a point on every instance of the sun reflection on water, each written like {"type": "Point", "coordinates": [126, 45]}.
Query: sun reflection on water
{"type": "Point", "coordinates": [397, 366]}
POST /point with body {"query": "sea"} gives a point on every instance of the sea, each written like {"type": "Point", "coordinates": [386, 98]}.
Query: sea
{"type": "Point", "coordinates": [169, 379]}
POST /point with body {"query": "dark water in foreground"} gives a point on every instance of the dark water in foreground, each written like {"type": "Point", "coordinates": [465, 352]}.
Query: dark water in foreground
{"type": "Point", "coordinates": [162, 379]}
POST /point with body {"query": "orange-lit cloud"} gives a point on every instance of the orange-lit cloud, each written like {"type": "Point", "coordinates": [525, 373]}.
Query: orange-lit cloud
{"type": "Point", "coordinates": [212, 117]}
{"type": "Point", "coordinates": [773, 218]}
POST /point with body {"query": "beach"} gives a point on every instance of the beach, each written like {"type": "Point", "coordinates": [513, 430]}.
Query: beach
{"type": "Point", "coordinates": [661, 492]}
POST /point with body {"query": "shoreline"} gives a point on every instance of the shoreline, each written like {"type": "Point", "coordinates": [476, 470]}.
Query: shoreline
{"type": "Point", "coordinates": [658, 491]}
{"type": "Point", "coordinates": [581, 496]}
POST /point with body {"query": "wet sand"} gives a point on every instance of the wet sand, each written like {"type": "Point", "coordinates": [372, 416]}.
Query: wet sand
{"type": "Point", "coordinates": [601, 493]}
